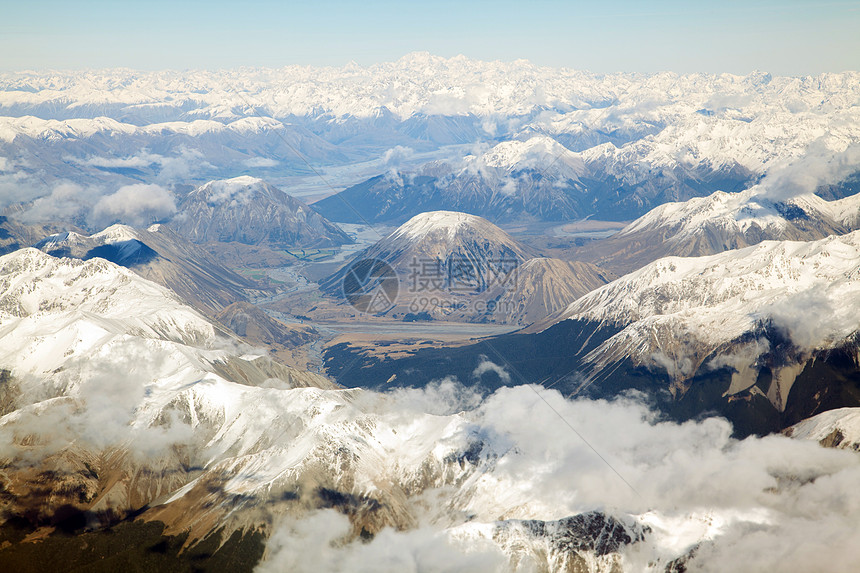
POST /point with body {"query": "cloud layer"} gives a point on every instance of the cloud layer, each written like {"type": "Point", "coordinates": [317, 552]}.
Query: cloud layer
{"type": "Point", "coordinates": [135, 205]}
{"type": "Point", "coordinates": [760, 504]}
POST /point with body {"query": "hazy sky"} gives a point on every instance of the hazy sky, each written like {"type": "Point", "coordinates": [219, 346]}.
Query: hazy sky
{"type": "Point", "coordinates": [789, 37]}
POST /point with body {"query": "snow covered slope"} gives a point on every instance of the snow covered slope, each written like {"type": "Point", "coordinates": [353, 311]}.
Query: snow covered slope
{"type": "Point", "coordinates": [643, 139]}
{"type": "Point", "coordinates": [59, 318]}
{"type": "Point", "coordinates": [96, 358]}
{"type": "Point", "coordinates": [160, 255]}
{"type": "Point", "coordinates": [723, 221]}
{"type": "Point", "coordinates": [250, 211]}
{"type": "Point", "coordinates": [688, 315]}
{"type": "Point", "coordinates": [838, 428]}
{"type": "Point", "coordinates": [445, 259]}
{"type": "Point", "coordinates": [438, 232]}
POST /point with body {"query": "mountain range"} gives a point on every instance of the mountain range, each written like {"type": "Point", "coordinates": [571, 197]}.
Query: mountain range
{"type": "Point", "coordinates": [135, 409]}
{"type": "Point", "coordinates": [136, 432]}
{"type": "Point", "coordinates": [628, 142]}
{"type": "Point", "coordinates": [535, 178]}
{"type": "Point", "coordinates": [179, 249]}
{"type": "Point", "coordinates": [460, 267]}
{"type": "Point", "coordinates": [720, 222]}
{"type": "Point", "coordinates": [728, 333]}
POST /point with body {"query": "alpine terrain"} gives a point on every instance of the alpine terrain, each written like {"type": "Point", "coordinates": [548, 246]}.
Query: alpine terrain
{"type": "Point", "coordinates": [432, 313]}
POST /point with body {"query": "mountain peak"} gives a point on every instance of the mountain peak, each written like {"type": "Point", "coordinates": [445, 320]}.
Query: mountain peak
{"type": "Point", "coordinates": [240, 190]}
{"type": "Point", "coordinates": [451, 222]}
{"type": "Point", "coordinates": [251, 211]}
{"type": "Point", "coordinates": [537, 152]}
{"type": "Point", "coordinates": [433, 245]}
{"type": "Point", "coordinates": [116, 233]}
{"type": "Point", "coordinates": [243, 180]}
{"type": "Point", "coordinates": [719, 299]}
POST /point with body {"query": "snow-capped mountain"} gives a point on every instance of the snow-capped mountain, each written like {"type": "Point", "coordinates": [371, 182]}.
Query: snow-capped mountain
{"type": "Point", "coordinates": [536, 153]}
{"type": "Point", "coordinates": [775, 306]}
{"type": "Point", "coordinates": [532, 178]}
{"type": "Point", "coordinates": [160, 255]}
{"type": "Point", "coordinates": [643, 139]}
{"type": "Point", "coordinates": [838, 428]}
{"type": "Point", "coordinates": [109, 372]}
{"type": "Point", "coordinates": [59, 314]}
{"type": "Point", "coordinates": [250, 211]}
{"type": "Point", "coordinates": [473, 270]}
{"type": "Point", "coordinates": [451, 258]}
{"type": "Point", "coordinates": [723, 221]}
{"type": "Point", "coordinates": [105, 360]}
{"type": "Point", "coordinates": [124, 408]}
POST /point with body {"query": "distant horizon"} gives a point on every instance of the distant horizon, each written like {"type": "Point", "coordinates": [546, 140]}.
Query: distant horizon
{"type": "Point", "coordinates": [370, 65]}
{"type": "Point", "coordinates": [788, 38]}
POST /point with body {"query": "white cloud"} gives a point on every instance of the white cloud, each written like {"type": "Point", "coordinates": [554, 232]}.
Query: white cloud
{"type": "Point", "coordinates": [319, 543]}
{"type": "Point", "coordinates": [397, 155]}
{"type": "Point", "coordinates": [823, 162]}
{"type": "Point", "coordinates": [137, 205]}
{"type": "Point", "coordinates": [488, 365]}
{"type": "Point", "coordinates": [813, 318]}
{"type": "Point", "coordinates": [509, 186]}
{"type": "Point", "coordinates": [66, 201]}
{"type": "Point", "coordinates": [169, 169]}
{"type": "Point", "coordinates": [440, 397]}
{"type": "Point", "coordinates": [181, 168]}
{"type": "Point", "coordinates": [144, 159]}
{"type": "Point", "coordinates": [258, 162]}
